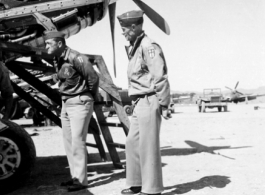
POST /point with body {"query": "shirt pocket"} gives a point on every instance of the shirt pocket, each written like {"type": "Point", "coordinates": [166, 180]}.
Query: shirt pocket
{"type": "Point", "coordinates": [68, 75]}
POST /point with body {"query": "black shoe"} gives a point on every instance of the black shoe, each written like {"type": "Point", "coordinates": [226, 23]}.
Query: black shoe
{"type": "Point", "coordinates": [68, 183]}
{"type": "Point", "coordinates": [76, 186]}
{"type": "Point", "coordinates": [131, 190]}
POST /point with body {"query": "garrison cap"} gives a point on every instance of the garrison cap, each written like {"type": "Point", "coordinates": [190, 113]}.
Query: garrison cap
{"type": "Point", "coordinates": [54, 34]}
{"type": "Point", "coordinates": [131, 17]}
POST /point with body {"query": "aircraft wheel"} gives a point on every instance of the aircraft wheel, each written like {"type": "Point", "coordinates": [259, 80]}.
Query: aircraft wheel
{"type": "Point", "coordinates": [128, 109]}
{"type": "Point", "coordinates": [110, 114]}
{"type": "Point", "coordinates": [49, 122]}
{"type": "Point", "coordinates": [200, 108]}
{"type": "Point", "coordinates": [225, 108]}
{"type": "Point", "coordinates": [15, 110]}
{"type": "Point", "coordinates": [17, 156]}
{"type": "Point", "coordinates": [219, 109]}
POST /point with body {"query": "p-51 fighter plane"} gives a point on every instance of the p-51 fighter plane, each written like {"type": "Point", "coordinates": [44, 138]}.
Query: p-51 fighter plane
{"type": "Point", "coordinates": [237, 96]}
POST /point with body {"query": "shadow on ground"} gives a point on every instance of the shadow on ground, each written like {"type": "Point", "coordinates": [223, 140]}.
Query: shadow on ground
{"type": "Point", "coordinates": [196, 148]}
{"type": "Point", "coordinates": [209, 181]}
{"type": "Point", "coordinates": [207, 111]}
{"type": "Point", "coordinates": [49, 172]}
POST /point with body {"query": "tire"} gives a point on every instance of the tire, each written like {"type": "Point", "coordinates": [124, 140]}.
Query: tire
{"type": "Point", "coordinates": [219, 109]}
{"type": "Point", "coordinates": [225, 108]}
{"type": "Point", "coordinates": [172, 108]}
{"type": "Point", "coordinates": [203, 107]}
{"type": "Point", "coordinates": [16, 111]}
{"type": "Point", "coordinates": [29, 112]}
{"type": "Point", "coordinates": [128, 109]}
{"type": "Point", "coordinates": [199, 108]}
{"type": "Point", "coordinates": [38, 118]}
{"type": "Point", "coordinates": [16, 149]}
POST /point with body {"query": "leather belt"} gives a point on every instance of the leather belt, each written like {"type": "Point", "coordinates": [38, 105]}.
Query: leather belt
{"type": "Point", "coordinates": [135, 97]}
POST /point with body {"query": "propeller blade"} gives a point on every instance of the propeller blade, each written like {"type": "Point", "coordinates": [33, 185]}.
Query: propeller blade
{"type": "Point", "coordinates": [229, 88]}
{"type": "Point", "coordinates": [154, 16]}
{"type": "Point", "coordinates": [236, 84]}
{"type": "Point", "coordinates": [239, 92]}
{"type": "Point", "coordinates": [112, 13]}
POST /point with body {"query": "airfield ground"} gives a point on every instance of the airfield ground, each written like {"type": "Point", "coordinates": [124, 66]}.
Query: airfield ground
{"type": "Point", "coordinates": [212, 153]}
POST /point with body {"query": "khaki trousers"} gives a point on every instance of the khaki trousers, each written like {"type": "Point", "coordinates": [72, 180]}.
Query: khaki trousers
{"type": "Point", "coordinates": [143, 157]}
{"type": "Point", "coordinates": [75, 116]}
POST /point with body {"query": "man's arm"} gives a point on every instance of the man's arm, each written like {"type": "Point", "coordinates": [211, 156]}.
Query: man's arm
{"type": "Point", "coordinates": [85, 68]}
{"type": "Point", "coordinates": [157, 66]}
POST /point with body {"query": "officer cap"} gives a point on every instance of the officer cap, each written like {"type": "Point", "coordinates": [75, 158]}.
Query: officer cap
{"type": "Point", "coordinates": [131, 17]}
{"type": "Point", "coordinates": [54, 34]}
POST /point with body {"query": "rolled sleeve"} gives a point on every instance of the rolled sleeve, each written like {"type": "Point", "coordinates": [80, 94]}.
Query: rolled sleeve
{"type": "Point", "coordinates": [84, 66]}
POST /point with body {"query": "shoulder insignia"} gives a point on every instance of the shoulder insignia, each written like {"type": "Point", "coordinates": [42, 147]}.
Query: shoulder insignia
{"type": "Point", "coordinates": [66, 72]}
{"type": "Point", "coordinates": [80, 59]}
{"type": "Point", "coordinates": [151, 52]}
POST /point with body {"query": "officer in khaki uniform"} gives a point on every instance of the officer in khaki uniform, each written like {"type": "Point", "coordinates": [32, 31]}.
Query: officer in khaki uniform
{"type": "Point", "coordinates": [78, 85]}
{"type": "Point", "coordinates": [150, 91]}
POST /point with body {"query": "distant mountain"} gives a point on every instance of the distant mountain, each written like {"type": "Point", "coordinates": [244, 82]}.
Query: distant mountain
{"type": "Point", "coordinates": [259, 91]}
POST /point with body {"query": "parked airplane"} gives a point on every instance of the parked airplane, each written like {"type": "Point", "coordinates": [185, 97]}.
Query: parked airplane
{"type": "Point", "coordinates": [237, 96]}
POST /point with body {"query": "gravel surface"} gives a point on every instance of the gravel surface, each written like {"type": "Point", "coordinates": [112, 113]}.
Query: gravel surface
{"type": "Point", "coordinates": [212, 153]}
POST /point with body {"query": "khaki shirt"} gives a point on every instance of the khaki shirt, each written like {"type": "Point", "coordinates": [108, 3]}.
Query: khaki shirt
{"type": "Point", "coordinates": [147, 70]}
{"type": "Point", "coordinates": [76, 74]}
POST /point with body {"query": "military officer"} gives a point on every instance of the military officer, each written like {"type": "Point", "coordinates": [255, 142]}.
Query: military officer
{"type": "Point", "coordinates": [150, 91]}
{"type": "Point", "coordinates": [78, 84]}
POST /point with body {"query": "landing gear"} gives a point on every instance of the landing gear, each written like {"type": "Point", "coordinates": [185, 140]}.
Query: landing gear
{"type": "Point", "coordinates": [128, 109]}
{"type": "Point", "coordinates": [203, 107]}
{"type": "Point", "coordinates": [17, 156]}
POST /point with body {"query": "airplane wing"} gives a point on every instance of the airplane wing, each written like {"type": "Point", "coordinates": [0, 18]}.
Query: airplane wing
{"type": "Point", "coordinates": [243, 98]}
{"type": "Point", "coordinates": [246, 97]}
{"type": "Point", "coordinates": [260, 95]}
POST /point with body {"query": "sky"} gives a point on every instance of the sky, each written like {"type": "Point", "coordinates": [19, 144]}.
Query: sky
{"type": "Point", "coordinates": [212, 44]}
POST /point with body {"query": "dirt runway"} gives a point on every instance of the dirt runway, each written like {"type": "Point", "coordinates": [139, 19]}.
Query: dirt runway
{"type": "Point", "coordinates": [212, 153]}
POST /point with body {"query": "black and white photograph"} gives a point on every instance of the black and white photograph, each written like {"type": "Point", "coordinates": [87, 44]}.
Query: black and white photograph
{"type": "Point", "coordinates": [132, 97]}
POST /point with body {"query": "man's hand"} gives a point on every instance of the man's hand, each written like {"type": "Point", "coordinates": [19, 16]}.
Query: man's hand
{"type": "Point", "coordinates": [165, 112]}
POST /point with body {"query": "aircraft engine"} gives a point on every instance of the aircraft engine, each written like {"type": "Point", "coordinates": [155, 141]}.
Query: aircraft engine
{"type": "Point", "coordinates": [26, 22]}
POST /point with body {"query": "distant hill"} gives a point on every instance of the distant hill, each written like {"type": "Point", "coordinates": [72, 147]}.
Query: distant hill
{"type": "Point", "coordinates": [259, 91]}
